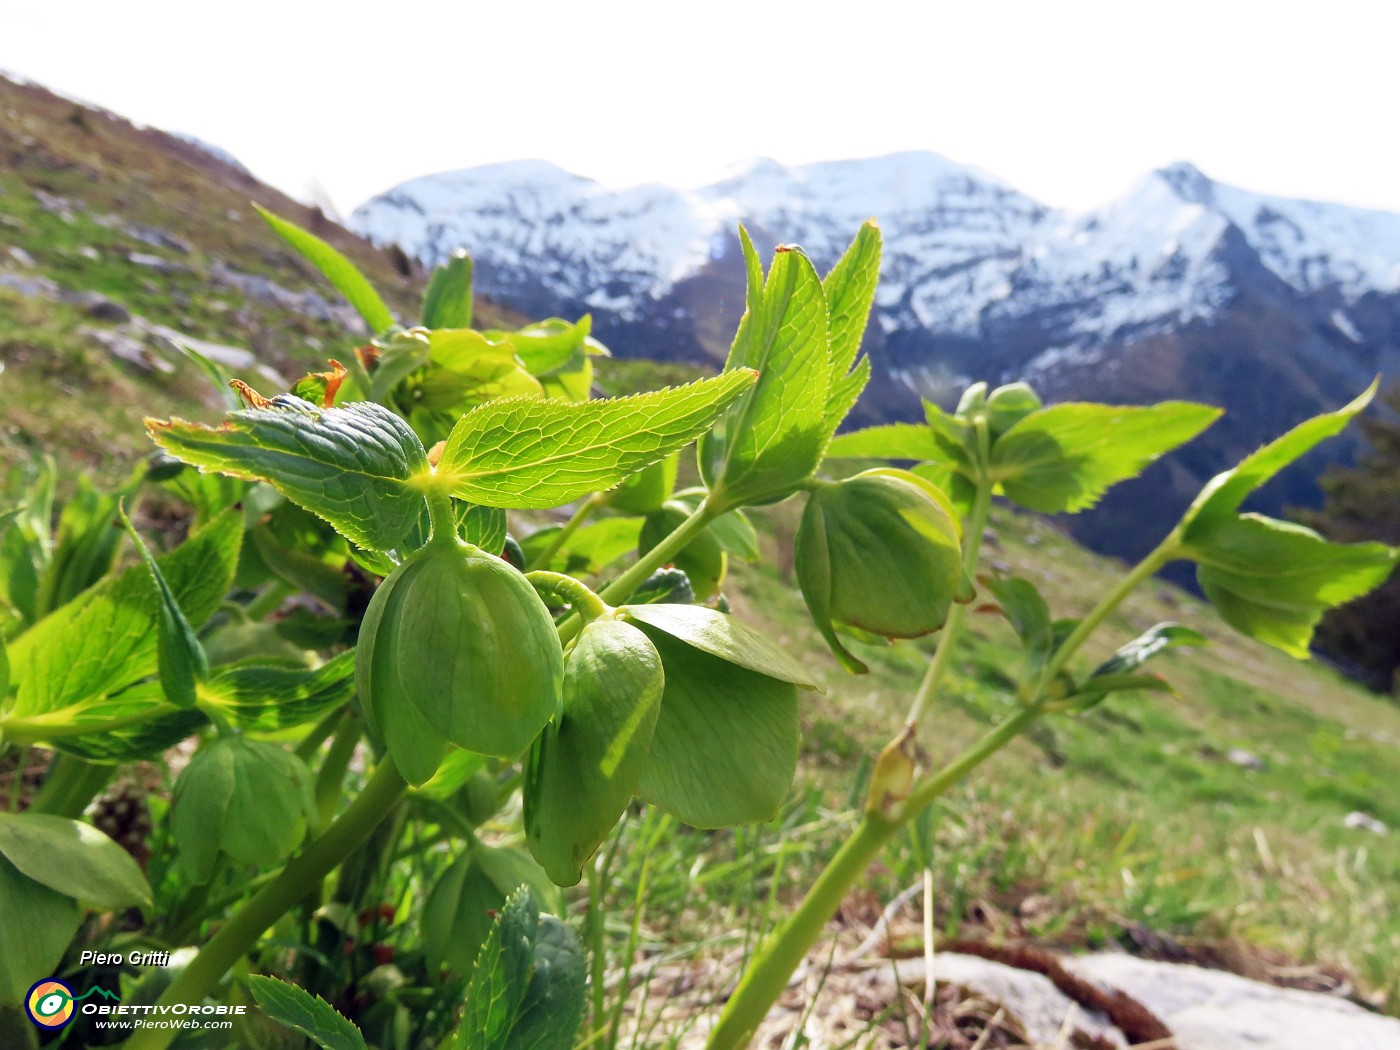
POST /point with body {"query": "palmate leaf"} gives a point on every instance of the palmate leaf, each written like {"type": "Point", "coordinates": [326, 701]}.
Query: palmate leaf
{"type": "Point", "coordinates": [337, 269]}
{"type": "Point", "coordinates": [308, 1014]}
{"type": "Point", "coordinates": [1273, 580]}
{"type": "Point", "coordinates": [1269, 579]}
{"type": "Point", "coordinates": [529, 452]}
{"type": "Point", "coordinates": [353, 466]}
{"type": "Point", "coordinates": [1065, 457]}
{"type": "Point", "coordinates": [264, 698]}
{"type": "Point", "coordinates": [102, 642]}
{"type": "Point", "coordinates": [1029, 615]}
{"type": "Point", "coordinates": [850, 291]}
{"type": "Point", "coordinates": [771, 439]}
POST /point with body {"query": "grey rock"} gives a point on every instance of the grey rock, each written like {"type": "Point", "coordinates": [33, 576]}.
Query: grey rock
{"type": "Point", "coordinates": [1213, 1010]}
{"type": "Point", "coordinates": [155, 262]}
{"type": "Point", "coordinates": [1246, 759]}
{"type": "Point", "coordinates": [1359, 821]}
{"type": "Point", "coordinates": [21, 256]}
{"type": "Point", "coordinates": [32, 287]}
{"type": "Point", "coordinates": [128, 348]}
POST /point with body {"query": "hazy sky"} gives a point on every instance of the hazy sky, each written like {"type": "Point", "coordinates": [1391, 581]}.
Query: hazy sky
{"type": "Point", "coordinates": [1069, 101]}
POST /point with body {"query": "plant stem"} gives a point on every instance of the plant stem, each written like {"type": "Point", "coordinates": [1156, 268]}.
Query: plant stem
{"type": "Point", "coordinates": [320, 733]}
{"type": "Point", "coordinates": [269, 601]}
{"type": "Point", "coordinates": [70, 785]}
{"type": "Point", "coordinates": [583, 601]}
{"type": "Point", "coordinates": [1143, 570]}
{"type": "Point", "coordinates": [597, 940]}
{"type": "Point", "coordinates": [789, 944]}
{"type": "Point", "coordinates": [621, 588]}
{"type": "Point", "coordinates": [556, 543]}
{"type": "Point", "coordinates": [973, 530]}
{"type": "Point", "coordinates": [331, 775]}
{"type": "Point", "coordinates": [302, 875]}
{"type": "Point", "coordinates": [441, 514]}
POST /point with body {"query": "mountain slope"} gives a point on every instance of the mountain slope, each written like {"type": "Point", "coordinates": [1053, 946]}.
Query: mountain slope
{"type": "Point", "coordinates": [1185, 287]}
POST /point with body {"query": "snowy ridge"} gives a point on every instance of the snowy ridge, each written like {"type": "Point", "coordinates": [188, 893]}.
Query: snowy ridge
{"type": "Point", "coordinates": [966, 254]}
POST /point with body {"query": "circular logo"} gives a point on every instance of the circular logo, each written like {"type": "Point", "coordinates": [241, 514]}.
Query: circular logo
{"type": "Point", "coordinates": [49, 1004]}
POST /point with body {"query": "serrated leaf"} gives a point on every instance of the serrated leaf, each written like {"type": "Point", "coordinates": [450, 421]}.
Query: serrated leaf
{"type": "Point", "coordinates": [263, 698]}
{"type": "Point", "coordinates": [447, 303]}
{"type": "Point", "coordinates": [1224, 493]}
{"type": "Point", "coordinates": [337, 269]}
{"type": "Point", "coordinates": [303, 1012]}
{"type": "Point", "coordinates": [888, 441]}
{"type": "Point", "coordinates": [1272, 580]}
{"type": "Point", "coordinates": [1063, 458]}
{"type": "Point", "coordinates": [850, 291]}
{"type": "Point", "coordinates": [552, 1009]}
{"type": "Point", "coordinates": [500, 977]}
{"type": "Point", "coordinates": [771, 439]}
{"type": "Point", "coordinates": [845, 392]}
{"type": "Point", "coordinates": [180, 658]}
{"type": "Point", "coordinates": [101, 643]}
{"type": "Point", "coordinates": [1147, 645]}
{"type": "Point", "coordinates": [352, 465]}
{"type": "Point", "coordinates": [74, 859]}
{"type": "Point", "coordinates": [528, 452]}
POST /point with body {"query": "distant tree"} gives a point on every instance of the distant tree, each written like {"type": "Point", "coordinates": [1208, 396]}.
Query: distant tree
{"type": "Point", "coordinates": [1363, 503]}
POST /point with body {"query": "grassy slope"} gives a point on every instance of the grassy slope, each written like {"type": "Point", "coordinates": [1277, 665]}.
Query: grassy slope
{"type": "Point", "coordinates": [1121, 824]}
{"type": "Point", "coordinates": [117, 180]}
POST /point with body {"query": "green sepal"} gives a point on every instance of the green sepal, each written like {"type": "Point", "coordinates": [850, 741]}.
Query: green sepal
{"type": "Point", "coordinates": [36, 926]}
{"type": "Point", "coordinates": [74, 859]}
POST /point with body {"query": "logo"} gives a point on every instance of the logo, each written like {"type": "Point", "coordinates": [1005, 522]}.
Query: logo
{"type": "Point", "coordinates": [50, 1002]}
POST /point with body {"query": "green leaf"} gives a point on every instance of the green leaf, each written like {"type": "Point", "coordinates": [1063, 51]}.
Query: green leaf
{"type": "Point", "coordinates": [845, 392]}
{"type": "Point", "coordinates": [724, 750]}
{"type": "Point", "coordinates": [353, 466]}
{"type": "Point", "coordinates": [771, 439]}
{"type": "Point", "coordinates": [4, 672]}
{"type": "Point", "coordinates": [264, 699]}
{"type": "Point", "coordinates": [1147, 645]}
{"type": "Point", "coordinates": [101, 644]}
{"type": "Point", "coordinates": [337, 269]}
{"type": "Point", "coordinates": [1029, 615]}
{"type": "Point", "coordinates": [889, 441]}
{"type": "Point", "coordinates": [592, 548]}
{"type": "Point", "coordinates": [850, 290]}
{"type": "Point", "coordinates": [719, 634]}
{"type": "Point", "coordinates": [1272, 580]}
{"type": "Point", "coordinates": [528, 452]}
{"type": "Point", "coordinates": [500, 977]}
{"type": "Point", "coordinates": [1063, 458]}
{"type": "Point", "coordinates": [303, 1012]}
{"type": "Point", "coordinates": [36, 926]}
{"type": "Point", "coordinates": [179, 656]}
{"type": "Point", "coordinates": [74, 859]}
{"type": "Point", "coordinates": [552, 1009]}
{"type": "Point", "coordinates": [1095, 689]}
{"type": "Point", "coordinates": [448, 301]}
{"type": "Point", "coordinates": [549, 347]}
{"type": "Point", "coordinates": [647, 489]}
{"type": "Point", "coordinates": [1224, 493]}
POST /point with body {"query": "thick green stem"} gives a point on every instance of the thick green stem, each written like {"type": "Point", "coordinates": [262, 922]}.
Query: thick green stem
{"type": "Point", "coordinates": [788, 945]}
{"type": "Point", "coordinates": [441, 514]}
{"type": "Point", "coordinates": [301, 876]}
{"type": "Point", "coordinates": [557, 541]}
{"type": "Point", "coordinates": [70, 785]}
{"type": "Point", "coordinates": [621, 588]}
{"type": "Point", "coordinates": [597, 943]}
{"type": "Point", "coordinates": [269, 601]}
{"type": "Point", "coordinates": [331, 776]}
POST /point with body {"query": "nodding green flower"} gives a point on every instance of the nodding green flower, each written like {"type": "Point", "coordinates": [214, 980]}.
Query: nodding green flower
{"type": "Point", "coordinates": [457, 648]}
{"type": "Point", "coordinates": [880, 552]}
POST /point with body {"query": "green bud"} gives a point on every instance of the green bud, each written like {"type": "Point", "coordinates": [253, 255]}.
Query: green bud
{"type": "Point", "coordinates": [646, 490]}
{"type": "Point", "coordinates": [880, 552]}
{"type": "Point", "coordinates": [246, 799]}
{"type": "Point", "coordinates": [586, 765]}
{"type": "Point", "coordinates": [1010, 404]}
{"type": "Point", "coordinates": [974, 399]}
{"type": "Point", "coordinates": [456, 647]}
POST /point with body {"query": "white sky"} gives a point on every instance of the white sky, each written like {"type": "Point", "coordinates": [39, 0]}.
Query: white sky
{"type": "Point", "coordinates": [1069, 100]}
